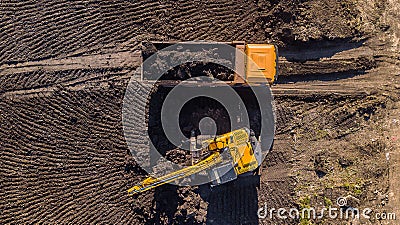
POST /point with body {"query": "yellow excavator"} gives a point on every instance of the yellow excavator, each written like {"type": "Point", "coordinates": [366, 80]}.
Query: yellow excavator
{"type": "Point", "coordinates": [227, 156]}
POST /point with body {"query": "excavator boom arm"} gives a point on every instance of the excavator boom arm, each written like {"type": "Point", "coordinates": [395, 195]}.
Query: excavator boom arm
{"type": "Point", "coordinates": [151, 182]}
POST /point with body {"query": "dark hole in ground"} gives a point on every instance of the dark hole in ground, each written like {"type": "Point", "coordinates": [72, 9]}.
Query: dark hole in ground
{"type": "Point", "coordinates": [193, 111]}
{"type": "Point", "coordinates": [198, 108]}
{"type": "Point", "coordinates": [320, 174]}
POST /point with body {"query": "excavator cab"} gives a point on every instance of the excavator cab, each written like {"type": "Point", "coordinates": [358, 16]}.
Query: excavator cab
{"type": "Point", "coordinates": [242, 154]}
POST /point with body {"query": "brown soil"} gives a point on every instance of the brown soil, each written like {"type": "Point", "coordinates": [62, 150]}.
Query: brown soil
{"type": "Point", "coordinates": [64, 67]}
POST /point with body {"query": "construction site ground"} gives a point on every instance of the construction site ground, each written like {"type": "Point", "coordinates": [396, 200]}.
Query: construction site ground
{"type": "Point", "coordinates": [64, 68]}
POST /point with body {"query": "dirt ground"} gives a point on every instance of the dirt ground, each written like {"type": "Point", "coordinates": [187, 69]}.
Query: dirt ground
{"type": "Point", "coordinates": [64, 68]}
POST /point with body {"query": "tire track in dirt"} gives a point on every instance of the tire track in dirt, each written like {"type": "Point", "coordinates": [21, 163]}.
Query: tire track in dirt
{"type": "Point", "coordinates": [394, 158]}
{"type": "Point", "coordinates": [41, 30]}
{"type": "Point", "coordinates": [68, 27]}
{"type": "Point", "coordinates": [277, 182]}
{"type": "Point", "coordinates": [75, 162]}
{"type": "Point", "coordinates": [65, 156]}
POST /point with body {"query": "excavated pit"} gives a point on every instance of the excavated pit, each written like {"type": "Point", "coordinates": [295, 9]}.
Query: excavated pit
{"type": "Point", "coordinates": [194, 110]}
